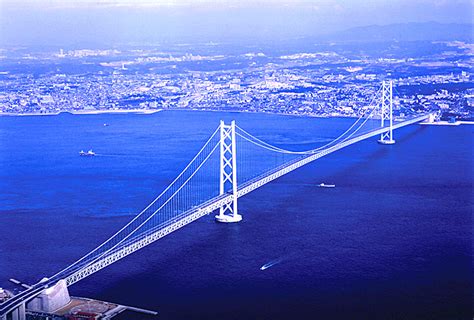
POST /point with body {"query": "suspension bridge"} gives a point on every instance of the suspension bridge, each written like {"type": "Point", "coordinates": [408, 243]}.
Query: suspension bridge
{"type": "Point", "coordinates": [230, 164]}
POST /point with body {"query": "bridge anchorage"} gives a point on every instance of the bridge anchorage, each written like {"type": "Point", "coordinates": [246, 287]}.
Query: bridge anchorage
{"type": "Point", "coordinates": [228, 173]}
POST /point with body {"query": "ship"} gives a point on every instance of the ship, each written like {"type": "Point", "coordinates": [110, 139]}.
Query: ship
{"type": "Point", "coordinates": [89, 153]}
{"type": "Point", "coordinates": [323, 185]}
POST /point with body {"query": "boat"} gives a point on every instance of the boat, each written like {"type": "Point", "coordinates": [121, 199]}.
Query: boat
{"type": "Point", "coordinates": [106, 124]}
{"type": "Point", "coordinates": [89, 153]}
{"type": "Point", "coordinates": [323, 185]}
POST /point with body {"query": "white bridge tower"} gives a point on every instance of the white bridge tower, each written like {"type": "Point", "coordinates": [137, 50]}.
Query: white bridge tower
{"type": "Point", "coordinates": [228, 173]}
{"type": "Point", "coordinates": [386, 112]}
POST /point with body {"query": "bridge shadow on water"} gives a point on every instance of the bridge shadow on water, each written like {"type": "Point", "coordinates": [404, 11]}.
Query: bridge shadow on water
{"type": "Point", "coordinates": [369, 154]}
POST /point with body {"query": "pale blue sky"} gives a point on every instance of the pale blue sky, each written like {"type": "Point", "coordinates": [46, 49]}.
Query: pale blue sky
{"type": "Point", "coordinates": [56, 22]}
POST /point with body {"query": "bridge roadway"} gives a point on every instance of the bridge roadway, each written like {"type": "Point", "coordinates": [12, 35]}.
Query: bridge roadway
{"type": "Point", "coordinates": [135, 243]}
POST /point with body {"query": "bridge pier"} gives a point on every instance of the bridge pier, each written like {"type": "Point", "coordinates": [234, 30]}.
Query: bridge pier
{"type": "Point", "coordinates": [386, 112]}
{"type": "Point", "coordinates": [228, 173]}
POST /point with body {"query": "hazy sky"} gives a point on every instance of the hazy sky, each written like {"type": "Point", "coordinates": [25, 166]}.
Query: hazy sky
{"type": "Point", "coordinates": [63, 22]}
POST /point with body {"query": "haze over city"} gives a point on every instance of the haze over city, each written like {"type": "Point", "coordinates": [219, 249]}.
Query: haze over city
{"type": "Point", "coordinates": [112, 22]}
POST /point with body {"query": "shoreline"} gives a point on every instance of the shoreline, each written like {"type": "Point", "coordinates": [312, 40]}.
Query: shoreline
{"type": "Point", "coordinates": [80, 112]}
{"type": "Point", "coordinates": [149, 111]}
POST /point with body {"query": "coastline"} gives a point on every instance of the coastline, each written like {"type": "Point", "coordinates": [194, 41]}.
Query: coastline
{"type": "Point", "coordinates": [149, 111]}
{"type": "Point", "coordinates": [80, 112]}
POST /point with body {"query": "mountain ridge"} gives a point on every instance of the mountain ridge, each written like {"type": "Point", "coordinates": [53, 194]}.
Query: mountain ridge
{"type": "Point", "coordinates": [411, 31]}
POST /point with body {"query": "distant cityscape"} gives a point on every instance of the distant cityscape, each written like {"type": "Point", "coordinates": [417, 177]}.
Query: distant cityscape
{"type": "Point", "coordinates": [336, 80]}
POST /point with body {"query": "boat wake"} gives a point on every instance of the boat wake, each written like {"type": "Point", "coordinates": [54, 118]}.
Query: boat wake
{"type": "Point", "coordinates": [113, 155]}
{"type": "Point", "coordinates": [270, 264]}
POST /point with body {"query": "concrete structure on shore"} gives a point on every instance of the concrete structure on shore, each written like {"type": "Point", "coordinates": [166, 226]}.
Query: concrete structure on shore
{"type": "Point", "coordinates": [51, 299]}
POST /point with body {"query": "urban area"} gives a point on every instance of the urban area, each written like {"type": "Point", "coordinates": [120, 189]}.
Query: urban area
{"type": "Point", "coordinates": [333, 80]}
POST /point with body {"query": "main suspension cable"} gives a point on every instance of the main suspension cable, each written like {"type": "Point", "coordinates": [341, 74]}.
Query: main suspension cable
{"type": "Point", "coordinates": [252, 139]}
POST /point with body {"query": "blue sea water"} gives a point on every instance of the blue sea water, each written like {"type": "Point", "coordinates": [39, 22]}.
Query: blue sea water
{"type": "Point", "coordinates": [393, 240]}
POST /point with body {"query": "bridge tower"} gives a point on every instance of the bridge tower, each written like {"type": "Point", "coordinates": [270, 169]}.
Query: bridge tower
{"type": "Point", "coordinates": [386, 112]}
{"type": "Point", "coordinates": [228, 173]}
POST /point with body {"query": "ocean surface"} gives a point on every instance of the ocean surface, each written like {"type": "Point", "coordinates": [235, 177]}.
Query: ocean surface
{"type": "Point", "coordinates": [393, 240]}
